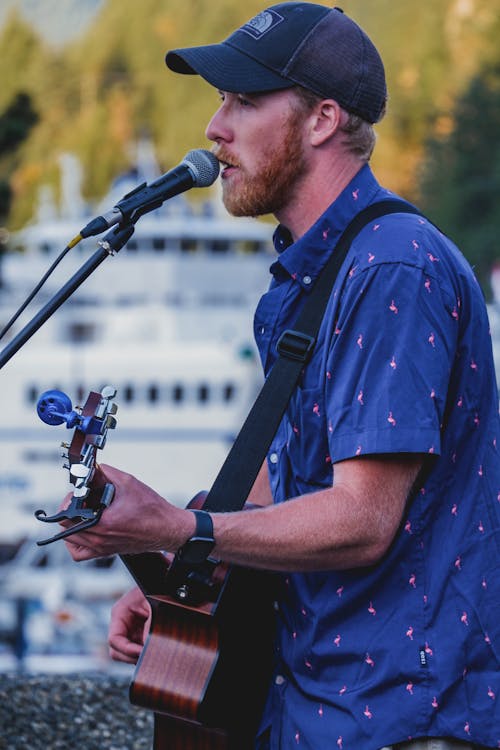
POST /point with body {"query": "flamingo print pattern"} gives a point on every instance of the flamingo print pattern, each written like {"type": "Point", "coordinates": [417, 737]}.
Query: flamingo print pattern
{"type": "Point", "coordinates": [370, 657]}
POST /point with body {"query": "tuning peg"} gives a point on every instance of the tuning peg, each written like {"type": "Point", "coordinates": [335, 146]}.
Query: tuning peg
{"type": "Point", "coordinates": [81, 491]}
{"type": "Point", "coordinates": [79, 471]}
{"type": "Point", "coordinates": [100, 441]}
{"type": "Point", "coordinates": [111, 422]}
{"type": "Point", "coordinates": [108, 392]}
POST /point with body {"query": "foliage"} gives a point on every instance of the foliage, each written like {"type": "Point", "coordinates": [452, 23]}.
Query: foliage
{"type": "Point", "coordinates": [104, 89]}
{"type": "Point", "coordinates": [15, 125]}
{"type": "Point", "coordinates": [16, 122]}
{"type": "Point", "coordinates": [461, 176]}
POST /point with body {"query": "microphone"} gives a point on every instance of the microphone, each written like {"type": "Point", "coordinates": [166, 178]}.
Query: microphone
{"type": "Point", "coordinates": [199, 168]}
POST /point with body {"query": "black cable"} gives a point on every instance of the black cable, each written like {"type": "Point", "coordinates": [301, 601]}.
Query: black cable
{"type": "Point", "coordinates": [37, 288]}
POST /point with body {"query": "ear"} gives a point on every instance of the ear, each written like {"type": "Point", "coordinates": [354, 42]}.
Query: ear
{"type": "Point", "coordinates": [325, 121]}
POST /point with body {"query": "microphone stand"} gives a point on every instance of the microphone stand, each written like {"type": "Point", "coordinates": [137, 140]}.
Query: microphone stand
{"type": "Point", "coordinates": [111, 244]}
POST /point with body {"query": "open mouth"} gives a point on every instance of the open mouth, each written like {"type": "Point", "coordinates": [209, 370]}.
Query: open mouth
{"type": "Point", "coordinates": [227, 166]}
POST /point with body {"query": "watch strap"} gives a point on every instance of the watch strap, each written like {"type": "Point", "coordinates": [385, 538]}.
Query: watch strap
{"type": "Point", "coordinates": [198, 547]}
{"type": "Point", "coordinates": [204, 525]}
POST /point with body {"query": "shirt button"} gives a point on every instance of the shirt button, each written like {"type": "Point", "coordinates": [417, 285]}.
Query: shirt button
{"type": "Point", "coordinates": [273, 458]}
{"type": "Point", "coordinates": [279, 679]}
{"type": "Point", "coordinates": [307, 280]}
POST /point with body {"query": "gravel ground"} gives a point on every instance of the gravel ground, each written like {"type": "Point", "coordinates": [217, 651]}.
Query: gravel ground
{"type": "Point", "coordinates": [54, 712]}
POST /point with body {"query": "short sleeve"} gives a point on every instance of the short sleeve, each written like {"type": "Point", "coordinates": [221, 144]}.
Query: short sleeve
{"type": "Point", "coordinates": [389, 364]}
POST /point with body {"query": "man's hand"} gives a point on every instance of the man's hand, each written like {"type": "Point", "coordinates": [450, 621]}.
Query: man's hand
{"type": "Point", "coordinates": [130, 621]}
{"type": "Point", "coordinates": [138, 520]}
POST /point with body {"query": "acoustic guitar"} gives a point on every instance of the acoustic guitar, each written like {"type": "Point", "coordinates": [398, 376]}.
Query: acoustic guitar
{"type": "Point", "coordinates": [206, 664]}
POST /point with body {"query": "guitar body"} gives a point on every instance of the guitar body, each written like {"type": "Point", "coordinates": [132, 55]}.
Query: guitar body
{"type": "Point", "coordinates": [205, 667]}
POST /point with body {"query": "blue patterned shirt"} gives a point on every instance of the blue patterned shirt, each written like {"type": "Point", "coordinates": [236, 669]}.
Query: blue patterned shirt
{"type": "Point", "coordinates": [410, 646]}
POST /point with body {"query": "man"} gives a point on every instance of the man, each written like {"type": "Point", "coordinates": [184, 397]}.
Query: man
{"type": "Point", "coordinates": [380, 494]}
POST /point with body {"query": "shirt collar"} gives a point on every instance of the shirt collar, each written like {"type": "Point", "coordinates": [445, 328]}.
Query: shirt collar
{"type": "Point", "coordinates": [304, 259]}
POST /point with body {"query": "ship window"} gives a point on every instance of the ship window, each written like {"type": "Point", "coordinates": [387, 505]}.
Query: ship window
{"type": "Point", "coordinates": [153, 394]}
{"type": "Point", "coordinates": [32, 394]}
{"type": "Point", "coordinates": [253, 246]}
{"type": "Point", "coordinates": [228, 392]}
{"type": "Point", "coordinates": [203, 393]}
{"type": "Point", "coordinates": [132, 245]}
{"type": "Point", "coordinates": [79, 332]}
{"type": "Point", "coordinates": [218, 246]}
{"type": "Point", "coordinates": [159, 243]}
{"type": "Point", "coordinates": [128, 393]}
{"type": "Point", "coordinates": [178, 393]}
{"type": "Point", "coordinates": [188, 244]}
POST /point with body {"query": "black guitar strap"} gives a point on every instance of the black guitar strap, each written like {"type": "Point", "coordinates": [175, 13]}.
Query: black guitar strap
{"type": "Point", "coordinates": [239, 471]}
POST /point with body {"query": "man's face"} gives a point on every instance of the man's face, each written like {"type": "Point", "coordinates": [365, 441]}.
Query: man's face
{"type": "Point", "coordinates": [258, 139]}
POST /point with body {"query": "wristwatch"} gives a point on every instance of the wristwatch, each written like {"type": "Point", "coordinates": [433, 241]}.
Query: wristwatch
{"type": "Point", "coordinates": [199, 546]}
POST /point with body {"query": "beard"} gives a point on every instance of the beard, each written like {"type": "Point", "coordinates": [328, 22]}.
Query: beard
{"type": "Point", "coordinates": [267, 188]}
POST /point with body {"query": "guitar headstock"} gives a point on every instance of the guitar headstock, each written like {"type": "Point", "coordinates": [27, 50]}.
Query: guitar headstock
{"type": "Point", "coordinates": [91, 424]}
{"type": "Point", "coordinates": [97, 417]}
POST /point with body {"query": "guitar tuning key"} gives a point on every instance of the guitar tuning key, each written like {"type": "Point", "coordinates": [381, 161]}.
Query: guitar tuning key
{"type": "Point", "coordinates": [111, 422]}
{"type": "Point", "coordinates": [108, 392]}
{"type": "Point", "coordinates": [79, 471]}
{"type": "Point", "coordinates": [81, 491]}
{"type": "Point", "coordinates": [100, 441]}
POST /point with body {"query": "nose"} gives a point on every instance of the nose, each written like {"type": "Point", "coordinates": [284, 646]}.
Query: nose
{"type": "Point", "coordinates": [218, 128]}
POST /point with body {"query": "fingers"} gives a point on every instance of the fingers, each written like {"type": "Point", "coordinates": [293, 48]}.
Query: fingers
{"type": "Point", "coordinates": [121, 649]}
{"type": "Point", "coordinates": [130, 619]}
{"type": "Point", "coordinates": [79, 552]}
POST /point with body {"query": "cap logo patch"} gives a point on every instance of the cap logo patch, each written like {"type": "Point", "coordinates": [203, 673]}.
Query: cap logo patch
{"type": "Point", "coordinates": [262, 23]}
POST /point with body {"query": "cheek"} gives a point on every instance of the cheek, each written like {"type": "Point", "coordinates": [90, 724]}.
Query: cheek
{"type": "Point", "coordinates": [263, 147]}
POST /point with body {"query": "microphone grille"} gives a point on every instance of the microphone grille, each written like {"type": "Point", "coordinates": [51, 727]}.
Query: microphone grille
{"type": "Point", "coordinates": [203, 165]}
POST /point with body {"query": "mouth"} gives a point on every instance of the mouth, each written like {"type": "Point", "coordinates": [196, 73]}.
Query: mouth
{"type": "Point", "coordinates": [228, 166]}
{"type": "Point", "coordinates": [228, 170]}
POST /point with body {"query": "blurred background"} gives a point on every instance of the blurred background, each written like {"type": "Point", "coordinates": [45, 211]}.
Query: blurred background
{"type": "Point", "coordinates": [88, 110]}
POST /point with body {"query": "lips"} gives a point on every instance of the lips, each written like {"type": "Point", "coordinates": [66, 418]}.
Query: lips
{"type": "Point", "coordinates": [228, 170]}
{"type": "Point", "coordinates": [229, 166]}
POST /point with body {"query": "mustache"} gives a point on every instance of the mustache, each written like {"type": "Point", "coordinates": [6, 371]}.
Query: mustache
{"type": "Point", "coordinates": [224, 156]}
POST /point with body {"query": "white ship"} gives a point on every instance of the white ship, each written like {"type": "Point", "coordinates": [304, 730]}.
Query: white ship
{"type": "Point", "coordinates": [167, 321]}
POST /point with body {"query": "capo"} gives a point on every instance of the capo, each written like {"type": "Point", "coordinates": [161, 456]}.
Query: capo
{"type": "Point", "coordinates": [88, 516]}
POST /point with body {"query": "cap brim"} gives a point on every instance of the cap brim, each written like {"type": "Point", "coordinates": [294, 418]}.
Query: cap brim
{"type": "Point", "coordinates": [226, 68]}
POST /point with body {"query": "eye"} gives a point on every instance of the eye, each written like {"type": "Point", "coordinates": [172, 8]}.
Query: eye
{"type": "Point", "coordinates": [244, 101]}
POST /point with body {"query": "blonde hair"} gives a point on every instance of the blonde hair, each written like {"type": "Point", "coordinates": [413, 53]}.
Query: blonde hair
{"type": "Point", "coordinates": [360, 134]}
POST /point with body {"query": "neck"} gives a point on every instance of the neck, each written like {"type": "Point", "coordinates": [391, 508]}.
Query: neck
{"type": "Point", "coordinates": [314, 193]}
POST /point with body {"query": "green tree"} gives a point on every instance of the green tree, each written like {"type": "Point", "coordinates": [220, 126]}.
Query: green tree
{"type": "Point", "coordinates": [15, 125]}
{"type": "Point", "coordinates": [16, 122]}
{"type": "Point", "coordinates": [461, 176]}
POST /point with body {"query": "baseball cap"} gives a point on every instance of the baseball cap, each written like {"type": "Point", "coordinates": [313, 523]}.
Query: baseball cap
{"type": "Point", "coordinates": [294, 43]}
